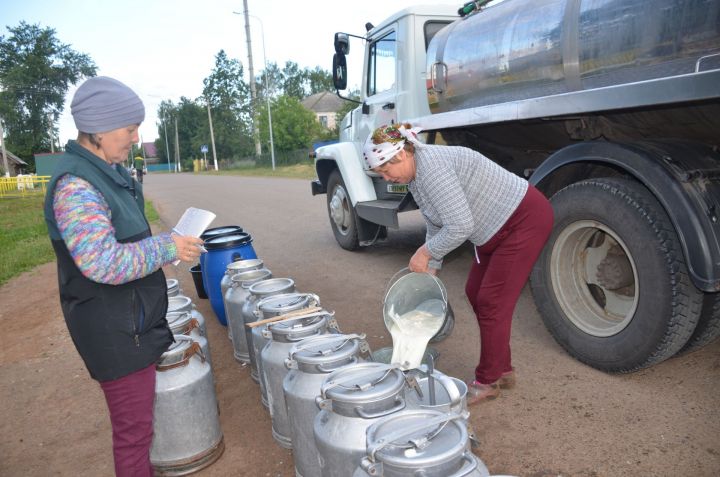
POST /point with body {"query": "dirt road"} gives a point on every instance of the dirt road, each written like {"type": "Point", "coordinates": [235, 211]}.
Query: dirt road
{"type": "Point", "coordinates": [562, 419]}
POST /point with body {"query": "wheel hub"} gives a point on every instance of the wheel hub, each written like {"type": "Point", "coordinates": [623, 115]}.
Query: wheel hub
{"type": "Point", "coordinates": [594, 278]}
{"type": "Point", "coordinates": [339, 210]}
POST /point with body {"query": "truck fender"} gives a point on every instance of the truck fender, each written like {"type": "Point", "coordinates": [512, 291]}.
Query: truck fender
{"type": "Point", "coordinates": [683, 176]}
{"type": "Point", "coordinates": [344, 157]}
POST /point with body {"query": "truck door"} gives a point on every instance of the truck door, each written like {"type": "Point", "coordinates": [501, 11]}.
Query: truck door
{"type": "Point", "coordinates": [380, 83]}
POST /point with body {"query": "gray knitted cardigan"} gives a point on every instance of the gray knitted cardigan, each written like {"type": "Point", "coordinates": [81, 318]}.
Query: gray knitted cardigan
{"type": "Point", "coordinates": [462, 195]}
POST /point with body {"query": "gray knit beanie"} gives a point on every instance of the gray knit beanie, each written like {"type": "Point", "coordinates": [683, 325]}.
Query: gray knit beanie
{"type": "Point", "coordinates": [103, 104]}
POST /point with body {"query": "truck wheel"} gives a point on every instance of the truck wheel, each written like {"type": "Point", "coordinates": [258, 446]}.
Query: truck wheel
{"type": "Point", "coordinates": [611, 284]}
{"type": "Point", "coordinates": [343, 218]}
{"type": "Point", "coordinates": [708, 327]}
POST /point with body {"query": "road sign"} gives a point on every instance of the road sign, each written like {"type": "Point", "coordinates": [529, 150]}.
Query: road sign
{"type": "Point", "coordinates": [204, 149]}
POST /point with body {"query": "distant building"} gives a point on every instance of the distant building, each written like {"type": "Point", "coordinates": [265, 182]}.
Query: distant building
{"type": "Point", "coordinates": [15, 164]}
{"type": "Point", "coordinates": [151, 155]}
{"type": "Point", "coordinates": [325, 105]}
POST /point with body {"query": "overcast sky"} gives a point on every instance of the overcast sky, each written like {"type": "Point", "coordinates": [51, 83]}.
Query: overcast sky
{"type": "Point", "coordinates": [163, 49]}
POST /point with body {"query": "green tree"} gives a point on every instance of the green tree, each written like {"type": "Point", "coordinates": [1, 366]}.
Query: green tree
{"type": "Point", "coordinates": [318, 80]}
{"type": "Point", "coordinates": [36, 71]}
{"type": "Point", "coordinates": [294, 126]}
{"type": "Point", "coordinates": [229, 100]}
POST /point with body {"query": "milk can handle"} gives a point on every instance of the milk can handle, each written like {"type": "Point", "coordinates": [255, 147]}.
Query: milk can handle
{"type": "Point", "coordinates": [322, 368]}
{"type": "Point", "coordinates": [467, 468]}
{"type": "Point", "coordinates": [372, 415]}
{"type": "Point", "coordinates": [324, 339]}
{"type": "Point", "coordinates": [385, 368]}
{"type": "Point", "coordinates": [450, 387]}
{"type": "Point", "coordinates": [408, 431]}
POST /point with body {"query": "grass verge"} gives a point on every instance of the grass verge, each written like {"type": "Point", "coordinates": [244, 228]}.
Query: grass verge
{"type": "Point", "coordinates": [296, 171]}
{"type": "Point", "coordinates": [24, 241]}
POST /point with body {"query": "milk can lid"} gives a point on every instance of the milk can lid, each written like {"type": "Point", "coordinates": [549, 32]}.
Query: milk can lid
{"type": "Point", "coordinates": [284, 303]}
{"type": "Point", "coordinates": [179, 303]}
{"type": "Point", "coordinates": [418, 438]}
{"type": "Point", "coordinates": [178, 320]}
{"type": "Point", "coordinates": [244, 265]}
{"type": "Point", "coordinates": [326, 348]}
{"type": "Point", "coordinates": [172, 284]}
{"type": "Point", "coordinates": [249, 277]}
{"type": "Point", "coordinates": [273, 285]}
{"type": "Point", "coordinates": [363, 383]}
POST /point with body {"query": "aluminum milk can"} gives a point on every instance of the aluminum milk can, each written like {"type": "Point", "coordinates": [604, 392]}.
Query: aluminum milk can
{"type": "Point", "coordinates": [184, 303]}
{"type": "Point", "coordinates": [186, 421]}
{"type": "Point", "coordinates": [309, 362]}
{"type": "Point", "coordinates": [173, 287]}
{"type": "Point", "coordinates": [272, 286]}
{"type": "Point", "coordinates": [351, 399]}
{"type": "Point", "coordinates": [182, 323]}
{"type": "Point", "coordinates": [238, 266]}
{"type": "Point", "coordinates": [420, 442]}
{"type": "Point", "coordinates": [281, 337]}
{"type": "Point", "coordinates": [231, 269]}
{"type": "Point", "coordinates": [235, 297]}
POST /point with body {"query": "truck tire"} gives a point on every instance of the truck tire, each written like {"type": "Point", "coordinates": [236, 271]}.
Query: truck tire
{"type": "Point", "coordinates": [708, 327]}
{"type": "Point", "coordinates": [611, 284]}
{"type": "Point", "coordinates": [343, 218]}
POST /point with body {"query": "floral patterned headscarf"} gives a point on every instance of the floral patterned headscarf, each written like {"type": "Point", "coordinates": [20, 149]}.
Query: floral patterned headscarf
{"type": "Point", "coordinates": [386, 142]}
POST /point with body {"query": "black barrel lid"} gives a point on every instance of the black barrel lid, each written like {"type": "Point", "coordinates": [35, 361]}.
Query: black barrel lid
{"type": "Point", "coordinates": [228, 241]}
{"type": "Point", "coordinates": [218, 231]}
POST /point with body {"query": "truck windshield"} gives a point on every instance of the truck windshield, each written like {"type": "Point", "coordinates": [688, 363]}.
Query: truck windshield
{"type": "Point", "coordinates": [381, 71]}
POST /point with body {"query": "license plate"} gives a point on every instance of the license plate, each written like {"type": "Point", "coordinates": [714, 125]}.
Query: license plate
{"type": "Point", "coordinates": [397, 188]}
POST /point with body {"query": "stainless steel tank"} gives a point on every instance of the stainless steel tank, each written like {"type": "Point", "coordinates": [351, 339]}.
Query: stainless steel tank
{"type": "Point", "coordinates": [265, 288]}
{"type": "Point", "coordinates": [282, 336]}
{"type": "Point", "coordinates": [182, 323]}
{"type": "Point", "coordinates": [182, 303]}
{"type": "Point", "coordinates": [522, 49]}
{"type": "Point", "coordinates": [231, 269]}
{"type": "Point", "coordinates": [352, 399]}
{"type": "Point", "coordinates": [419, 442]}
{"type": "Point", "coordinates": [186, 424]}
{"type": "Point", "coordinates": [235, 297]}
{"type": "Point", "coordinates": [309, 362]}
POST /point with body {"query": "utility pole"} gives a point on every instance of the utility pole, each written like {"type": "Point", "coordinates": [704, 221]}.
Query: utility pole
{"type": "Point", "coordinates": [52, 136]}
{"type": "Point", "coordinates": [167, 147]}
{"type": "Point", "coordinates": [212, 135]}
{"type": "Point", "coordinates": [253, 92]}
{"type": "Point", "coordinates": [4, 152]}
{"type": "Point", "coordinates": [177, 149]}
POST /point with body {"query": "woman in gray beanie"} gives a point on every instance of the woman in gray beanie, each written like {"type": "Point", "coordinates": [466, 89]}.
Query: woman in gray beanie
{"type": "Point", "coordinates": [112, 289]}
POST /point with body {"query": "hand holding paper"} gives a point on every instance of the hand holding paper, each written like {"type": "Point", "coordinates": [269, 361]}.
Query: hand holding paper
{"type": "Point", "coordinates": [190, 226]}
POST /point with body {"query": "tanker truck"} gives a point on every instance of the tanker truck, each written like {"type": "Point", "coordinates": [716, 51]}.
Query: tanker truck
{"type": "Point", "coordinates": [610, 107]}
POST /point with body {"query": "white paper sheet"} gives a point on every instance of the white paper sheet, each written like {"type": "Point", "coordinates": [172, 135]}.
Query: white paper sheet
{"type": "Point", "coordinates": [193, 223]}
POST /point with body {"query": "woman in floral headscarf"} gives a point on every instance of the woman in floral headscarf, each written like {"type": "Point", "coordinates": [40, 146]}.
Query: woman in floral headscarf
{"type": "Point", "coordinates": [463, 195]}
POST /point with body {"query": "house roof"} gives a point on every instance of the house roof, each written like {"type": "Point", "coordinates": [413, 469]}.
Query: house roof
{"type": "Point", "coordinates": [324, 102]}
{"type": "Point", "coordinates": [150, 149]}
{"type": "Point", "coordinates": [13, 158]}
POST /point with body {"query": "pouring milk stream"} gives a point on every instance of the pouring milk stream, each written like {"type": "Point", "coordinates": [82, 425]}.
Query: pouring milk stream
{"type": "Point", "coordinates": [420, 319]}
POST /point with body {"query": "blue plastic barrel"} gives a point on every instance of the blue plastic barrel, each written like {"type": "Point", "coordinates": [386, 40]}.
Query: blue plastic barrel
{"type": "Point", "coordinates": [221, 251]}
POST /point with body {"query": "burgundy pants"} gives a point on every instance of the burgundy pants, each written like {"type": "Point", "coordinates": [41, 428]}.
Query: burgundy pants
{"type": "Point", "coordinates": [130, 400]}
{"type": "Point", "coordinates": [496, 279]}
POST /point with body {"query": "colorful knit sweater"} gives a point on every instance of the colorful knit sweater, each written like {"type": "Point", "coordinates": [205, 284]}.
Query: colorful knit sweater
{"type": "Point", "coordinates": [84, 220]}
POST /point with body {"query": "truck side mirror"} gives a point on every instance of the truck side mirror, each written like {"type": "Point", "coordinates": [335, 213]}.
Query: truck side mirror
{"type": "Point", "coordinates": [342, 43]}
{"type": "Point", "coordinates": [339, 71]}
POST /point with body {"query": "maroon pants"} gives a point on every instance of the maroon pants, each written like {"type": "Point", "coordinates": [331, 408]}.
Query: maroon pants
{"type": "Point", "coordinates": [130, 400]}
{"type": "Point", "coordinates": [498, 275]}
